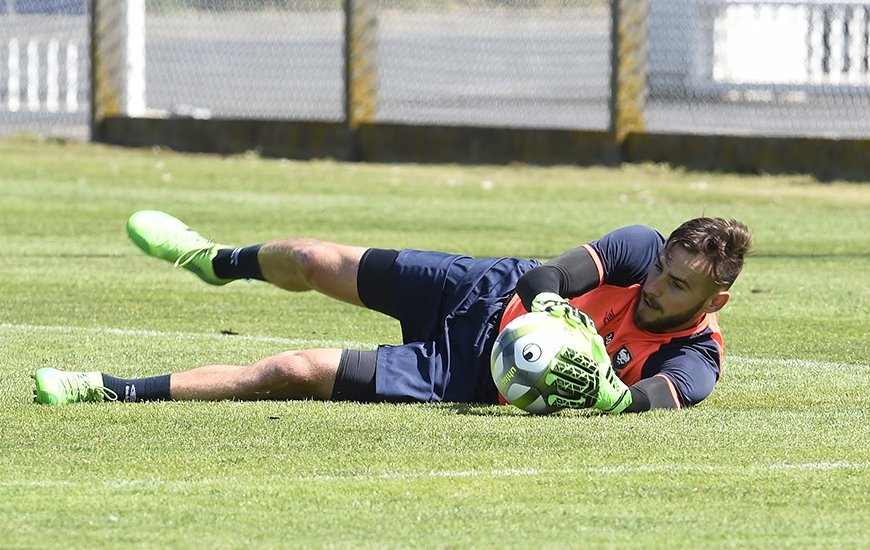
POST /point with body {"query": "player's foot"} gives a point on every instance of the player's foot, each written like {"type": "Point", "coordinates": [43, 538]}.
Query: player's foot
{"type": "Point", "coordinates": [55, 387]}
{"type": "Point", "coordinates": [168, 238]}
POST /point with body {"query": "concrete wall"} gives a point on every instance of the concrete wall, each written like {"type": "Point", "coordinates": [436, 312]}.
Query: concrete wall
{"type": "Point", "coordinates": [824, 158]}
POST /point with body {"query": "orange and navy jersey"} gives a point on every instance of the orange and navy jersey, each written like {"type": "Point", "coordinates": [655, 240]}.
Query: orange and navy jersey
{"type": "Point", "coordinates": [690, 360]}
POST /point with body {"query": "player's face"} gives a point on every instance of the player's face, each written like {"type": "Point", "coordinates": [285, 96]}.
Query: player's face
{"type": "Point", "coordinates": [677, 292]}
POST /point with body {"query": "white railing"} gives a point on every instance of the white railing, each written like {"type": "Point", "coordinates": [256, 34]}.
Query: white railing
{"type": "Point", "coordinates": [791, 42]}
{"type": "Point", "coordinates": [840, 44]}
{"type": "Point", "coordinates": [43, 75]}
{"type": "Point", "coordinates": [715, 46]}
{"type": "Point", "coordinates": [44, 57]}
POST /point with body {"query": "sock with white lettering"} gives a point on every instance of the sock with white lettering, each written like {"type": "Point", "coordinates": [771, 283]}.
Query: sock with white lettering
{"type": "Point", "coordinates": [155, 388]}
{"type": "Point", "coordinates": [238, 263]}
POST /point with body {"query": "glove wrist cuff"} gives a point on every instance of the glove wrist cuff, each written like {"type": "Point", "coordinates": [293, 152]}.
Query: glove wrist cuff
{"type": "Point", "coordinates": [622, 402]}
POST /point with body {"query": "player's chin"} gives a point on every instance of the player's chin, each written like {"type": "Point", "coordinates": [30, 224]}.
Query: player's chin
{"type": "Point", "coordinates": [645, 316]}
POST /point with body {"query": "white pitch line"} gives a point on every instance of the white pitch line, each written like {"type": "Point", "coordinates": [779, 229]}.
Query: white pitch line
{"type": "Point", "coordinates": [803, 363]}
{"type": "Point", "coordinates": [524, 472]}
{"type": "Point", "coordinates": [811, 466]}
{"type": "Point", "coordinates": [290, 342]}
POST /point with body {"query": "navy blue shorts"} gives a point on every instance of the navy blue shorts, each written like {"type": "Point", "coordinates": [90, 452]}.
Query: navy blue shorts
{"type": "Point", "coordinates": [449, 308]}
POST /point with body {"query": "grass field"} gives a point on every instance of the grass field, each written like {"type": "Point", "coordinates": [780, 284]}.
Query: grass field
{"type": "Point", "coordinates": [777, 457]}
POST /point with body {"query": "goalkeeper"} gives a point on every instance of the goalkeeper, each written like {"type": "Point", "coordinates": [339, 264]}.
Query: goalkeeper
{"type": "Point", "coordinates": [652, 301]}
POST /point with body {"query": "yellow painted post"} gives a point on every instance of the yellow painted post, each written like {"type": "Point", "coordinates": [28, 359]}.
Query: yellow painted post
{"type": "Point", "coordinates": [361, 62]}
{"type": "Point", "coordinates": [117, 60]}
{"type": "Point", "coordinates": [628, 83]}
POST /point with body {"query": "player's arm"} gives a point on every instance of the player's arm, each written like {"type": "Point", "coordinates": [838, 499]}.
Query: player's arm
{"type": "Point", "coordinates": [571, 274]}
{"type": "Point", "coordinates": [653, 393]}
{"type": "Point", "coordinates": [685, 377]}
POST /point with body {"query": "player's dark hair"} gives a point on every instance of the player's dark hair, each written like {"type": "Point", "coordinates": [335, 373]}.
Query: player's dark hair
{"type": "Point", "coordinates": [723, 242]}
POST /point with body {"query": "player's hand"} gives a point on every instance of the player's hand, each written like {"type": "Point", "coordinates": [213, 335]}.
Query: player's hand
{"type": "Point", "coordinates": [585, 381]}
{"type": "Point", "coordinates": [557, 306]}
{"type": "Point", "coordinates": [572, 374]}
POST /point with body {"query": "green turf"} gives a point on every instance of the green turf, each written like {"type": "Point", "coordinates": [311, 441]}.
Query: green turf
{"type": "Point", "coordinates": [775, 458]}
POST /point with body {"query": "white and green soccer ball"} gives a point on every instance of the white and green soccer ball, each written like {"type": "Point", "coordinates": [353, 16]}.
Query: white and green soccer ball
{"type": "Point", "coordinates": [521, 356]}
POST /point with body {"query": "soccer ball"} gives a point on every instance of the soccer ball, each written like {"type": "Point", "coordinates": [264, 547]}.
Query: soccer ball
{"type": "Point", "coordinates": [520, 357]}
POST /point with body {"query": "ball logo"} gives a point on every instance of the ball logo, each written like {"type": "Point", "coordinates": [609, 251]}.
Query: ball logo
{"type": "Point", "coordinates": [532, 352]}
{"type": "Point", "coordinates": [507, 378]}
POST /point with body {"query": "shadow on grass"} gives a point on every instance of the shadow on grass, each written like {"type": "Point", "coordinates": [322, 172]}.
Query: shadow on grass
{"type": "Point", "coordinates": [482, 409]}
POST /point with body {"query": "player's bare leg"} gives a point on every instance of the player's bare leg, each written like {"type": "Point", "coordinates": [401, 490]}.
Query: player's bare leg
{"type": "Point", "coordinates": [296, 264]}
{"type": "Point", "coordinates": [302, 264]}
{"type": "Point", "coordinates": [308, 374]}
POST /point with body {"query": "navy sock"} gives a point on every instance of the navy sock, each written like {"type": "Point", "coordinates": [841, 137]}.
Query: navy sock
{"type": "Point", "coordinates": [238, 263]}
{"type": "Point", "coordinates": [155, 388]}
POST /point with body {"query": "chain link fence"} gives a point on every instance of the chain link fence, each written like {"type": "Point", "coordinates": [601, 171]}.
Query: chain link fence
{"type": "Point", "coordinates": [522, 63]}
{"type": "Point", "coordinates": [760, 67]}
{"type": "Point", "coordinates": [720, 67]}
{"type": "Point", "coordinates": [245, 60]}
{"type": "Point", "coordinates": [44, 68]}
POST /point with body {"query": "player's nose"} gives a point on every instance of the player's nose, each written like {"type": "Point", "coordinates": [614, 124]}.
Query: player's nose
{"type": "Point", "coordinates": [653, 286]}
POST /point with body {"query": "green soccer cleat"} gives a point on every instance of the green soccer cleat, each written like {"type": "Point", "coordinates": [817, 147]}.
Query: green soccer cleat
{"type": "Point", "coordinates": [55, 387]}
{"type": "Point", "coordinates": [168, 238]}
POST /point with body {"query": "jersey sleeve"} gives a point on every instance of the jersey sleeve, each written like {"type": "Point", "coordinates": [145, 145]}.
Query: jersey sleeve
{"type": "Point", "coordinates": [626, 254]}
{"type": "Point", "coordinates": [691, 370]}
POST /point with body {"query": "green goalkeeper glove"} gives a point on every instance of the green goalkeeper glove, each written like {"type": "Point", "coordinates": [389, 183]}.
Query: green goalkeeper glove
{"type": "Point", "coordinates": [557, 306]}
{"type": "Point", "coordinates": [583, 381]}
{"type": "Point", "coordinates": [583, 378]}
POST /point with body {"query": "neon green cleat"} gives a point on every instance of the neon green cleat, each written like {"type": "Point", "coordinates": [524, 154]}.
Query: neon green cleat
{"type": "Point", "coordinates": [55, 387]}
{"type": "Point", "coordinates": [168, 238]}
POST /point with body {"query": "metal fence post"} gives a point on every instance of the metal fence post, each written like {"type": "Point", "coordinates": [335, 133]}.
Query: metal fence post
{"type": "Point", "coordinates": [361, 62]}
{"type": "Point", "coordinates": [628, 79]}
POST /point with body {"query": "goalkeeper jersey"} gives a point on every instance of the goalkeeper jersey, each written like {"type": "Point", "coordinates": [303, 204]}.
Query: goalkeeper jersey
{"type": "Point", "coordinates": [690, 360]}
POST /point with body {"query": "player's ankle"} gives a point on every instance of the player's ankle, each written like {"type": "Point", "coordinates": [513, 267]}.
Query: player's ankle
{"type": "Point", "coordinates": [238, 263]}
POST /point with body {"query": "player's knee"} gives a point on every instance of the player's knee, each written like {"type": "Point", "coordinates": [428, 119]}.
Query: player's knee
{"type": "Point", "coordinates": [288, 369]}
{"type": "Point", "coordinates": [312, 257]}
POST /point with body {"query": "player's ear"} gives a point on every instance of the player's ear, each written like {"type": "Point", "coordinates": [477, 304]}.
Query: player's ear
{"type": "Point", "coordinates": [717, 301]}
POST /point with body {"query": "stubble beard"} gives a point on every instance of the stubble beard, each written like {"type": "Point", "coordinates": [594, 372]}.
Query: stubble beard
{"type": "Point", "coordinates": [662, 324]}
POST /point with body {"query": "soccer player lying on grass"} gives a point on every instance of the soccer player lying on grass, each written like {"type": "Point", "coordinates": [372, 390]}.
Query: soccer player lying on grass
{"type": "Point", "coordinates": [654, 302]}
